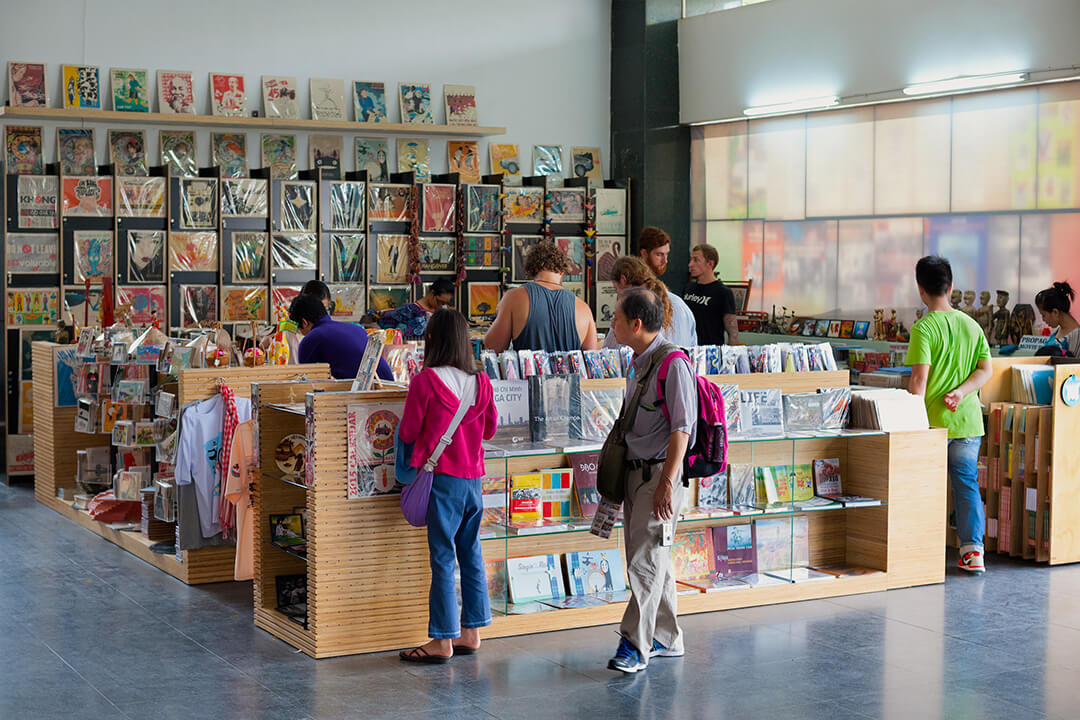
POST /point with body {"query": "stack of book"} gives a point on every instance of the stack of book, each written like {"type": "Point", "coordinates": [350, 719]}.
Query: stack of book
{"type": "Point", "coordinates": [888, 409]}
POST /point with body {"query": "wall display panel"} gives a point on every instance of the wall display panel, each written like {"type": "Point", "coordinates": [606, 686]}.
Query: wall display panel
{"type": "Point", "coordinates": [911, 157]}
{"type": "Point", "coordinates": [724, 149]}
{"type": "Point", "coordinates": [982, 249]}
{"type": "Point", "coordinates": [1058, 160]}
{"type": "Point", "coordinates": [800, 266]}
{"type": "Point", "coordinates": [697, 174]}
{"type": "Point", "coordinates": [993, 151]}
{"type": "Point", "coordinates": [876, 258]}
{"type": "Point", "coordinates": [776, 149]}
{"type": "Point", "coordinates": [740, 246]}
{"type": "Point", "coordinates": [840, 163]}
{"type": "Point", "coordinates": [1049, 252]}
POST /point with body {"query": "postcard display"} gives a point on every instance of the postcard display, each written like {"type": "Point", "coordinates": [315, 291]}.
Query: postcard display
{"type": "Point", "coordinates": [545, 570]}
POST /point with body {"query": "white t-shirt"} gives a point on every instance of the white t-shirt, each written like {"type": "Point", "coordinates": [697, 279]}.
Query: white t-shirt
{"type": "Point", "coordinates": [1073, 339]}
{"type": "Point", "coordinates": [459, 382]}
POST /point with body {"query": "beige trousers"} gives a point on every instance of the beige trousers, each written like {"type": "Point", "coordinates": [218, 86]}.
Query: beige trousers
{"type": "Point", "coordinates": [652, 612]}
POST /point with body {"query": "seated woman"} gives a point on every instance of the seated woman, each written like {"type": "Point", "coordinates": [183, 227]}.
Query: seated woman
{"type": "Point", "coordinates": [629, 271]}
{"type": "Point", "coordinates": [412, 318]}
{"type": "Point", "coordinates": [1054, 304]}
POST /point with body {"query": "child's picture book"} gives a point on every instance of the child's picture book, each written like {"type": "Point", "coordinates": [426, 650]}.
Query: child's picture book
{"type": "Point", "coordinates": [827, 478]}
{"type": "Point", "coordinates": [557, 491]}
{"type": "Point", "coordinates": [526, 491]}
{"type": "Point", "coordinates": [692, 553]}
{"type": "Point", "coordinates": [595, 571]}
{"type": "Point", "coordinates": [535, 578]}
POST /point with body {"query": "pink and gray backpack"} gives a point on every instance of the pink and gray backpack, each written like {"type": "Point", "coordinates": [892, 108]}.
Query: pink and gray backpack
{"type": "Point", "coordinates": [708, 455]}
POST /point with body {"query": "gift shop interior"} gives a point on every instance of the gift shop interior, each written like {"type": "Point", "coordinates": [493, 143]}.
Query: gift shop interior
{"type": "Point", "coordinates": [638, 353]}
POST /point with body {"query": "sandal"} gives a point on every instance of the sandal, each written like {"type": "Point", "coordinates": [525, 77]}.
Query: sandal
{"type": "Point", "coordinates": [465, 650]}
{"type": "Point", "coordinates": [420, 655]}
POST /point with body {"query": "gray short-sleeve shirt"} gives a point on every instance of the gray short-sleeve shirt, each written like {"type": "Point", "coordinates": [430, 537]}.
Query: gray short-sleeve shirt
{"type": "Point", "coordinates": [648, 438]}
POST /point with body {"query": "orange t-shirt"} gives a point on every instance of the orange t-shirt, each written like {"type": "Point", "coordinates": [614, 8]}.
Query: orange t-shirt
{"type": "Point", "coordinates": [238, 491]}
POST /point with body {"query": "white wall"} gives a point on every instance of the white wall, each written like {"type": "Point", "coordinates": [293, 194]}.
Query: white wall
{"type": "Point", "coordinates": [541, 69]}
{"type": "Point", "coordinates": [789, 49]}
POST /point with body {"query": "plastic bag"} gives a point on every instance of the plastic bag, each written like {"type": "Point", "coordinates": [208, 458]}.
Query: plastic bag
{"type": "Point", "coordinates": [178, 152]}
{"type": "Point", "coordinates": [347, 258]}
{"type": "Point", "coordinates": [93, 255]}
{"type": "Point", "coordinates": [388, 202]}
{"type": "Point", "coordinates": [229, 152]}
{"type": "Point", "coordinates": [140, 197]}
{"type": "Point", "coordinates": [249, 256]}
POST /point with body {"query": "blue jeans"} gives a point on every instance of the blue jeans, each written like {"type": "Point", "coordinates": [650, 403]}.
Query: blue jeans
{"type": "Point", "coordinates": [453, 520]}
{"type": "Point", "coordinates": [964, 477]}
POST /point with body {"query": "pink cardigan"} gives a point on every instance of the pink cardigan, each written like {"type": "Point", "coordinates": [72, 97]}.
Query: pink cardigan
{"type": "Point", "coordinates": [429, 408]}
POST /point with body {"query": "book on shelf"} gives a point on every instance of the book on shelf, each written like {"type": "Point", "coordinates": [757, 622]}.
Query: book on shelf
{"type": "Point", "coordinates": [856, 501]}
{"type": "Point", "coordinates": [526, 492]}
{"type": "Point", "coordinates": [556, 492]}
{"type": "Point", "coordinates": [746, 510]}
{"type": "Point", "coordinates": [700, 512]}
{"type": "Point", "coordinates": [800, 575]}
{"type": "Point", "coordinates": [742, 488]}
{"type": "Point", "coordinates": [827, 481]}
{"type": "Point", "coordinates": [842, 570]}
{"type": "Point", "coordinates": [773, 508]}
{"type": "Point", "coordinates": [692, 553]}
{"type": "Point", "coordinates": [713, 582]}
{"type": "Point", "coordinates": [761, 580]}
{"type": "Point", "coordinates": [888, 409]}
{"type": "Point", "coordinates": [782, 543]}
{"type": "Point", "coordinates": [585, 493]}
{"type": "Point", "coordinates": [574, 601]}
{"type": "Point", "coordinates": [532, 527]}
{"type": "Point", "coordinates": [512, 407]}
{"type": "Point", "coordinates": [817, 503]}
{"type": "Point", "coordinates": [734, 550]}
{"type": "Point", "coordinates": [498, 589]}
{"type": "Point", "coordinates": [535, 578]}
{"type": "Point", "coordinates": [1032, 384]}
{"type": "Point", "coordinates": [595, 571]}
{"type": "Point", "coordinates": [713, 490]}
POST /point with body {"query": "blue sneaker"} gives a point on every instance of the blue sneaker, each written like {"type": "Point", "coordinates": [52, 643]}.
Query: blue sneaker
{"type": "Point", "coordinates": [627, 658]}
{"type": "Point", "coordinates": [659, 650]}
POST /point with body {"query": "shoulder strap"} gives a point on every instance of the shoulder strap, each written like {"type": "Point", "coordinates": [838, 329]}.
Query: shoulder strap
{"type": "Point", "coordinates": [655, 360]}
{"type": "Point", "coordinates": [444, 441]}
{"type": "Point", "coordinates": [662, 374]}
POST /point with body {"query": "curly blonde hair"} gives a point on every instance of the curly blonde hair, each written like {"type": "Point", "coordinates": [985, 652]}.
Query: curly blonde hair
{"type": "Point", "coordinates": [637, 273]}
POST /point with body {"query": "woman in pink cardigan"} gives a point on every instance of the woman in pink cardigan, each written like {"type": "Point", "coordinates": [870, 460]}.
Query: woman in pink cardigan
{"type": "Point", "coordinates": [451, 376]}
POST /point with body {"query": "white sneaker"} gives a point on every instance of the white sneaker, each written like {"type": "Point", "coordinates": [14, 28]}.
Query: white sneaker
{"type": "Point", "coordinates": [971, 559]}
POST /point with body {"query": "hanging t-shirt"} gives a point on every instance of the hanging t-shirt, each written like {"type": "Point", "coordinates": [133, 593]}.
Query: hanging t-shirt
{"type": "Point", "coordinates": [238, 492]}
{"type": "Point", "coordinates": [710, 303]}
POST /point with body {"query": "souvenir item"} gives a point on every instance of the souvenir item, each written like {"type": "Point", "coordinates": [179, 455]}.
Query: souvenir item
{"type": "Point", "coordinates": [227, 95]}
{"type": "Point", "coordinates": [279, 97]}
{"type": "Point", "coordinates": [483, 252]}
{"type": "Point", "coordinates": [24, 156]}
{"type": "Point", "coordinates": [193, 251]}
{"type": "Point", "coordinates": [347, 258]}
{"type": "Point", "coordinates": [464, 156]}
{"type": "Point", "coordinates": [293, 252]}
{"type": "Point", "coordinates": [610, 211]}
{"type": "Point", "coordinates": [460, 104]}
{"type": "Point", "coordinates": [327, 99]}
{"type": "Point", "coordinates": [147, 304]}
{"type": "Point", "coordinates": [279, 154]}
{"type": "Point", "coordinates": [440, 208]}
{"type": "Point", "coordinates": [521, 245]}
{"type": "Point", "coordinates": [547, 160]}
{"type": "Point", "coordinates": [127, 151]}
{"type": "Point", "coordinates": [75, 148]}
{"type": "Point", "coordinates": [482, 208]}
{"type": "Point", "coordinates": [82, 86]}
{"type": "Point", "coordinates": [249, 256]}
{"type": "Point", "coordinates": [524, 204]}
{"type": "Point", "coordinates": [483, 301]}
{"type": "Point", "coordinates": [130, 90]}
{"type": "Point", "coordinates": [198, 203]}
{"type": "Point", "coordinates": [176, 92]}
{"type": "Point", "coordinates": [413, 154]}
{"type": "Point", "coordinates": [178, 152]}
{"type": "Point", "coordinates": [585, 162]}
{"type": "Point", "coordinates": [370, 431]}
{"type": "Point", "coordinates": [243, 198]}
{"type": "Point", "coordinates": [568, 205]}
{"type": "Point", "coordinates": [392, 265]}
{"type": "Point", "coordinates": [38, 201]}
{"type": "Point", "coordinates": [369, 99]}
{"type": "Point", "coordinates": [347, 205]}
{"type": "Point", "coordinates": [28, 84]}
{"type": "Point", "coordinates": [32, 253]}
{"type": "Point", "coordinates": [243, 304]}
{"type": "Point", "coordinates": [372, 154]}
{"type": "Point", "coordinates": [325, 153]}
{"type": "Point", "coordinates": [388, 202]}
{"type": "Point", "coordinates": [229, 152]}
{"type": "Point", "coordinates": [198, 304]}
{"type": "Point", "coordinates": [416, 103]}
{"type": "Point", "coordinates": [505, 159]}
{"type": "Point", "coordinates": [387, 298]}
{"type": "Point", "coordinates": [574, 249]}
{"type": "Point", "coordinates": [93, 255]}
{"type": "Point", "coordinates": [88, 196]}
{"type": "Point", "coordinates": [146, 256]}
{"type": "Point", "coordinates": [437, 254]}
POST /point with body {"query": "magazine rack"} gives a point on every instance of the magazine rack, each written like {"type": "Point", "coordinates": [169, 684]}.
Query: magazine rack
{"type": "Point", "coordinates": [367, 570]}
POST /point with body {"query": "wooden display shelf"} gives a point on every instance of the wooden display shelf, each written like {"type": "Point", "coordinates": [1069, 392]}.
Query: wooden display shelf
{"type": "Point", "coordinates": [367, 569]}
{"type": "Point", "coordinates": [252, 123]}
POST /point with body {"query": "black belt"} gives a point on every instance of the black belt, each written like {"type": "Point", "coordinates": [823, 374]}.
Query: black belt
{"type": "Point", "coordinates": [639, 464]}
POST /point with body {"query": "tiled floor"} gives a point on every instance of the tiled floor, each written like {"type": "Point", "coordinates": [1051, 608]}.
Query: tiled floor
{"type": "Point", "coordinates": [91, 632]}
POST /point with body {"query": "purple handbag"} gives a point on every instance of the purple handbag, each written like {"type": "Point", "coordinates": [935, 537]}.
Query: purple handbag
{"type": "Point", "coordinates": [415, 495]}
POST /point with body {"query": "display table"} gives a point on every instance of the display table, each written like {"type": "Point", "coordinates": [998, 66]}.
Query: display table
{"type": "Point", "coordinates": [368, 573]}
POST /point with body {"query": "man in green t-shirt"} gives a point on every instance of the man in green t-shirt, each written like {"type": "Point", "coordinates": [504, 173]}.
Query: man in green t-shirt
{"type": "Point", "coordinates": [950, 361]}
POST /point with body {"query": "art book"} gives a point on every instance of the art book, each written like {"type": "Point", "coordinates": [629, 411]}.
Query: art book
{"type": "Point", "coordinates": [567, 205]}
{"type": "Point", "coordinates": [327, 99]}
{"type": "Point", "coordinates": [505, 159]}
{"type": "Point", "coordinates": [82, 86]}
{"type": "Point", "coordinates": [482, 208]}
{"type": "Point", "coordinates": [38, 202]}
{"type": "Point", "coordinates": [229, 152]}
{"type": "Point", "coordinates": [483, 300]}
{"type": "Point", "coordinates": [547, 160]}
{"type": "Point", "coordinates": [228, 97]}
{"type": "Point", "coordinates": [178, 152]}
{"type": "Point", "coordinates": [28, 84]}
{"type": "Point", "coordinates": [373, 155]}
{"type": "Point", "coordinates": [127, 152]}
{"type": "Point", "coordinates": [595, 571]}
{"type": "Point", "coordinates": [24, 155]}
{"type": "Point", "coordinates": [325, 153]}
{"type": "Point", "coordinates": [280, 97]}
{"type": "Point", "coordinates": [413, 156]}
{"type": "Point", "coordinates": [713, 491]}
{"type": "Point", "coordinates": [610, 211]}
{"type": "Point", "coordinates": [279, 154]}
{"type": "Point", "coordinates": [535, 578]}
{"type": "Point", "coordinates": [75, 148]}
{"type": "Point", "coordinates": [585, 162]}
{"type": "Point", "coordinates": [416, 103]}
{"type": "Point", "coordinates": [176, 92]}
{"type": "Point", "coordinates": [692, 553]}
{"type": "Point", "coordinates": [87, 196]}
{"type": "Point", "coordinates": [733, 550]}
{"type": "Point", "coordinates": [464, 157]}
{"type": "Point", "coordinates": [130, 89]}
{"type": "Point", "coordinates": [557, 491]}
{"type": "Point", "coordinates": [369, 99]}
{"type": "Point", "coordinates": [593, 412]}
{"type": "Point", "coordinates": [827, 478]}
{"type": "Point", "coordinates": [440, 207]}
{"type": "Point", "coordinates": [460, 104]}
{"type": "Point", "coordinates": [584, 466]}
{"type": "Point", "coordinates": [526, 496]}
{"type": "Point", "coordinates": [782, 543]}
{"type": "Point", "coordinates": [524, 205]}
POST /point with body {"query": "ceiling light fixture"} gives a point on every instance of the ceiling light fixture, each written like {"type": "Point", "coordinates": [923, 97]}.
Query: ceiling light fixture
{"type": "Point", "coordinates": [967, 82]}
{"type": "Point", "coordinates": [793, 106]}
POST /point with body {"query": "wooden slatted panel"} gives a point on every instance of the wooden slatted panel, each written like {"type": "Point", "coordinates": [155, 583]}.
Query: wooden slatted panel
{"type": "Point", "coordinates": [1064, 475]}
{"type": "Point", "coordinates": [1042, 530]}
{"type": "Point", "coordinates": [201, 383]}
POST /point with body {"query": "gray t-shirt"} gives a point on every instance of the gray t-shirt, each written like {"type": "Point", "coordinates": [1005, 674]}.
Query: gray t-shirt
{"type": "Point", "coordinates": [648, 438]}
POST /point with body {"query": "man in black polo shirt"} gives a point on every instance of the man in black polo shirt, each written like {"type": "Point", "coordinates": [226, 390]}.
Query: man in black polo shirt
{"type": "Point", "coordinates": [712, 303]}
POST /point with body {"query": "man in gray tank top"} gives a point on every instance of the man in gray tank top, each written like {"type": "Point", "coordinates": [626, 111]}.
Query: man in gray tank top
{"type": "Point", "coordinates": [542, 314]}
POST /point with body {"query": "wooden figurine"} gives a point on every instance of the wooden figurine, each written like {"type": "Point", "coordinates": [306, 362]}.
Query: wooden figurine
{"type": "Point", "coordinates": [969, 308]}
{"type": "Point", "coordinates": [954, 299]}
{"type": "Point", "coordinates": [1001, 319]}
{"type": "Point", "coordinates": [879, 324]}
{"type": "Point", "coordinates": [985, 314]}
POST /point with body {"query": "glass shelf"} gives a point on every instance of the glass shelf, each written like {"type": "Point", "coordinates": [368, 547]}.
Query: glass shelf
{"type": "Point", "coordinates": [804, 435]}
{"type": "Point", "coordinates": [288, 551]}
{"type": "Point", "coordinates": [291, 408]}
{"type": "Point", "coordinates": [293, 483]}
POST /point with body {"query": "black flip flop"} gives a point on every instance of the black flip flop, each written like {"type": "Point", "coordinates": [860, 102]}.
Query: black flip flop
{"type": "Point", "coordinates": [413, 656]}
{"type": "Point", "coordinates": [465, 650]}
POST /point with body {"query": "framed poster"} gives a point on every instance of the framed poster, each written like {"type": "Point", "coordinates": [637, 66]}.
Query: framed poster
{"type": "Point", "coordinates": [370, 101]}
{"type": "Point", "coordinates": [347, 258]}
{"type": "Point", "coordinates": [440, 207]}
{"type": "Point", "coordinates": [32, 306]}
{"type": "Point", "coordinates": [416, 103]}
{"type": "Point", "coordinates": [392, 263]}
{"type": "Point", "coordinates": [524, 205]}
{"type": "Point", "coordinates": [280, 97]}
{"type": "Point", "coordinates": [146, 256]}
{"type": "Point", "coordinates": [244, 303]}
{"type": "Point", "coordinates": [198, 304]}
{"type": "Point", "coordinates": [82, 86]}
{"type": "Point", "coordinates": [93, 255]}
{"type": "Point", "coordinates": [33, 253]}
{"type": "Point", "coordinates": [193, 251]}
{"type": "Point", "coordinates": [130, 89]}
{"type": "Point", "coordinates": [38, 200]}
{"type": "Point", "coordinates": [178, 152]}
{"type": "Point", "coordinates": [437, 254]}
{"type": "Point", "coordinates": [568, 205]}
{"type": "Point", "coordinates": [293, 251]}
{"type": "Point", "coordinates": [229, 152]}
{"type": "Point", "coordinates": [28, 84]}
{"type": "Point", "coordinates": [464, 157]}
{"type": "Point", "coordinates": [140, 197]}
{"type": "Point", "coordinates": [297, 211]}
{"type": "Point", "coordinates": [198, 203]}
{"type": "Point", "coordinates": [147, 303]}
{"type": "Point", "coordinates": [483, 301]}
{"type": "Point", "coordinates": [347, 205]}
{"type": "Point", "coordinates": [521, 245]}
{"type": "Point", "coordinates": [249, 256]}
{"type": "Point", "coordinates": [373, 155]}
{"type": "Point", "coordinates": [244, 198]}
{"type": "Point", "coordinates": [388, 202]}
{"type": "Point", "coordinates": [88, 196]}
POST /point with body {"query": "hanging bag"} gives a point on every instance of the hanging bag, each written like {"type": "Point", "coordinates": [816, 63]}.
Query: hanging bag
{"type": "Point", "coordinates": [417, 490]}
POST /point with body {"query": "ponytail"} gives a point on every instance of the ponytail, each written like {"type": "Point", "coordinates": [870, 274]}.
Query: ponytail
{"type": "Point", "coordinates": [1058, 297]}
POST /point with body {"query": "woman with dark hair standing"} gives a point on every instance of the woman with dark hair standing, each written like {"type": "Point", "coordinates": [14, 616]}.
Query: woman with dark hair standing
{"type": "Point", "coordinates": [1054, 304]}
{"type": "Point", "coordinates": [450, 377]}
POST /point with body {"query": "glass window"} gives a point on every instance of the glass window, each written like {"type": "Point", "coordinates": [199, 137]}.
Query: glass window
{"type": "Point", "coordinates": [840, 163]}
{"type": "Point", "coordinates": [993, 151]}
{"type": "Point", "coordinates": [911, 157]}
{"type": "Point", "coordinates": [1059, 153]}
{"type": "Point", "coordinates": [777, 160]}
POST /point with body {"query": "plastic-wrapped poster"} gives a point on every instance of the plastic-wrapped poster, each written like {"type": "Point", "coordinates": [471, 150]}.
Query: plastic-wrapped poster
{"type": "Point", "coordinates": [413, 155]}
{"type": "Point", "coordinates": [82, 86]}
{"type": "Point", "coordinates": [369, 101]}
{"type": "Point", "coordinates": [440, 208]}
{"type": "Point", "coordinates": [33, 253]}
{"type": "Point", "coordinates": [146, 256]}
{"type": "Point", "coordinates": [574, 248]}
{"type": "Point", "coordinates": [280, 97]}
{"type": "Point", "coordinates": [327, 99]}
{"type": "Point", "coordinates": [127, 151]}
{"type": "Point", "coordinates": [198, 304]}
{"type": "Point", "coordinates": [547, 160]}
{"type": "Point", "coordinates": [130, 90]}
{"type": "Point", "coordinates": [460, 104]}
{"type": "Point", "coordinates": [392, 265]}
{"type": "Point", "coordinates": [279, 154]}
{"type": "Point", "coordinates": [293, 252]}
{"type": "Point", "coordinates": [81, 307]}
{"type": "Point", "coordinates": [521, 245]}
{"type": "Point", "coordinates": [585, 162]}
{"type": "Point", "coordinates": [437, 254]}
{"type": "Point", "coordinates": [140, 197]}
{"type": "Point", "coordinates": [32, 306]}
{"type": "Point", "coordinates": [347, 205]}
{"type": "Point", "coordinates": [415, 103]}
{"type": "Point", "coordinates": [370, 430]}
{"type": "Point", "coordinates": [176, 92]}
{"type": "Point", "coordinates": [388, 202]}
{"type": "Point", "coordinates": [483, 301]}
{"type": "Point", "coordinates": [147, 303]}
{"type": "Point", "coordinates": [349, 301]}
{"type": "Point", "coordinates": [387, 298]}
{"type": "Point", "coordinates": [505, 159]}
{"type": "Point", "coordinates": [198, 203]}
{"type": "Point", "coordinates": [227, 95]}
{"type": "Point", "coordinates": [193, 251]}
{"type": "Point", "coordinates": [93, 255]}
{"type": "Point", "coordinates": [608, 250]}
{"type": "Point", "coordinates": [244, 198]}
{"type": "Point", "coordinates": [524, 204]}
{"type": "Point", "coordinates": [610, 211]}
{"type": "Point", "coordinates": [347, 258]}
{"type": "Point", "coordinates": [249, 256]}
{"type": "Point", "coordinates": [568, 205]}
{"type": "Point", "coordinates": [24, 156]}
{"type": "Point", "coordinates": [606, 298]}
{"type": "Point", "coordinates": [28, 85]}
{"type": "Point", "coordinates": [482, 208]}
{"type": "Point", "coordinates": [38, 201]}
{"type": "Point", "coordinates": [229, 152]}
{"type": "Point", "coordinates": [243, 304]}
{"type": "Point", "coordinates": [297, 211]}
{"type": "Point", "coordinates": [483, 252]}
{"type": "Point", "coordinates": [325, 153]}
{"type": "Point", "coordinates": [178, 152]}
{"type": "Point", "coordinates": [373, 155]}
{"type": "Point", "coordinates": [464, 156]}
{"type": "Point", "coordinates": [75, 148]}
{"type": "Point", "coordinates": [282, 295]}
